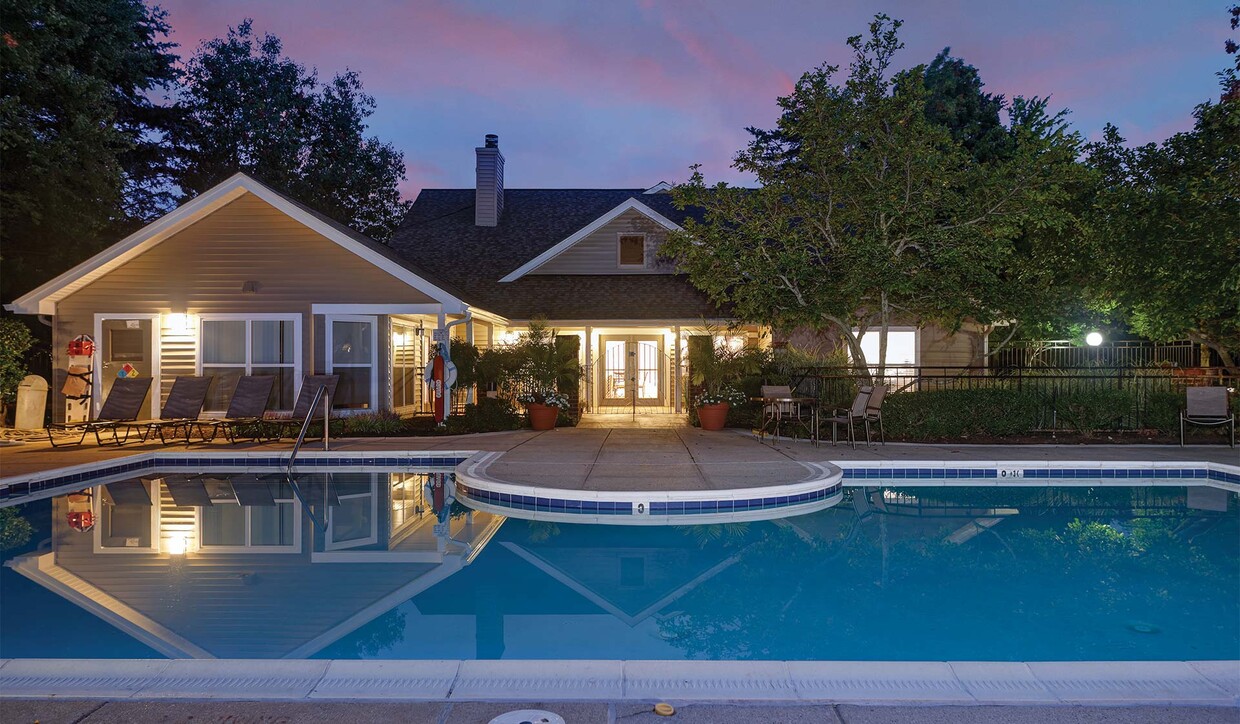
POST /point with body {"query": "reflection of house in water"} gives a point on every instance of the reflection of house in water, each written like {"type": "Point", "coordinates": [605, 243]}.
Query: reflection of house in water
{"type": "Point", "coordinates": [591, 570]}
{"type": "Point", "coordinates": [233, 565]}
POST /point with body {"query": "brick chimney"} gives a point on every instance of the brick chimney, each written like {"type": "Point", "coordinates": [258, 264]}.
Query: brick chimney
{"type": "Point", "coordinates": [489, 189]}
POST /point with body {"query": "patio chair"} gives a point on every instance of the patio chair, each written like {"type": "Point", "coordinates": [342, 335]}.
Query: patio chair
{"type": "Point", "coordinates": [180, 410]}
{"type": "Point", "coordinates": [245, 410]}
{"type": "Point", "coordinates": [310, 385]}
{"type": "Point", "coordinates": [874, 413]}
{"type": "Point", "coordinates": [851, 416]}
{"type": "Point", "coordinates": [123, 404]}
{"type": "Point", "coordinates": [1207, 406]}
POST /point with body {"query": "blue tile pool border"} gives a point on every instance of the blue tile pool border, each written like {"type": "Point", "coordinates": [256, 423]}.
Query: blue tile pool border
{"type": "Point", "coordinates": [26, 485]}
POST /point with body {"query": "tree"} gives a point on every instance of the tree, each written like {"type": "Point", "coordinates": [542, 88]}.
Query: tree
{"type": "Point", "coordinates": [957, 102]}
{"type": "Point", "coordinates": [79, 133]}
{"type": "Point", "coordinates": [1167, 228]}
{"type": "Point", "coordinates": [248, 107]}
{"type": "Point", "coordinates": [868, 213]}
{"type": "Point", "coordinates": [15, 341]}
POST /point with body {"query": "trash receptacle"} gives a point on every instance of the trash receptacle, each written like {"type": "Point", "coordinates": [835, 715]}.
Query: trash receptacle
{"type": "Point", "coordinates": [31, 403]}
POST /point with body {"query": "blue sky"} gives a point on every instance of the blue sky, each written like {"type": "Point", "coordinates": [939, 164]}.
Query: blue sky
{"type": "Point", "coordinates": [628, 93]}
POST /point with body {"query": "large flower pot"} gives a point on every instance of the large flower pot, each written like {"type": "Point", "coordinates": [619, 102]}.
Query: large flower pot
{"type": "Point", "coordinates": [542, 417]}
{"type": "Point", "coordinates": [713, 417]}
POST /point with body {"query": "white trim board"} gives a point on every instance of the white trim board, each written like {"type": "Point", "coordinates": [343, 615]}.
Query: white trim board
{"type": "Point", "coordinates": [43, 299]}
{"type": "Point", "coordinates": [630, 204]}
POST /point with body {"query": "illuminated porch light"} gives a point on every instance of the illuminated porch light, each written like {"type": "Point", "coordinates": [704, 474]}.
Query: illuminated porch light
{"type": "Point", "coordinates": [1093, 339]}
{"type": "Point", "coordinates": [177, 323]}
{"type": "Point", "coordinates": [177, 544]}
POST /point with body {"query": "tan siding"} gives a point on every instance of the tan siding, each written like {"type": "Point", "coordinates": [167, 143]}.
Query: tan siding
{"type": "Point", "coordinates": [940, 348]}
{"type": "Point", "coordinates": [201, 271]}
{"type": "Point", "coordinates": [598, 252]}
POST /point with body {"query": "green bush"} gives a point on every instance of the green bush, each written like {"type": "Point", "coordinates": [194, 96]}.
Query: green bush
{"type": "Point", "coordinates": [384, 423]}
{"type": "Point", "coordinates": [961, 413]}
{"type": "Point", "coordinates": [489, 414]}
{"type": "Point", "coordinates": [1089, 410]}
{"type": "Point", "coordinates": [15, 531]}
{"type": "Point", "coordinates": [1162, 411]}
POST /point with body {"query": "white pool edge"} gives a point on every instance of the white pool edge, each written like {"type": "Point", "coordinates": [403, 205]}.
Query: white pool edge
{"type": "Point", "coordinates": [1072, 683]}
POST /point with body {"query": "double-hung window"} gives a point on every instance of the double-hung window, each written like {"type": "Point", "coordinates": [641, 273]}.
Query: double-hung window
{"type": "Point", "coordinates": [233, 346]}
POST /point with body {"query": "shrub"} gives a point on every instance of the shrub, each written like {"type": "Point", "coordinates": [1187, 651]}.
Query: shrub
{"type": "Point", "coordinates": [15, 531]}
{"type": "Point", "coordinates": [15, 341]}
{"type": "Point", "coordinates": [961, 413]}
{"type": "Point", "coordinates": [384, 423]}
{"type": "Point", "coordinates": [1089, 410]}
{"type": "Point", "coordinates": [489, 414]}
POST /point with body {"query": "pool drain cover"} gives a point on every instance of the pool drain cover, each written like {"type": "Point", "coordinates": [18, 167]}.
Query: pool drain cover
{"type": "Point", "coordinates": [528, 716]}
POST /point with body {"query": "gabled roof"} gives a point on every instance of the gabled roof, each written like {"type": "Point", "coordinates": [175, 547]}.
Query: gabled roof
{"type": "Point", "coordinates": [440, 236]}
{"type": "Point", "coordinates": [42, 300]}
{"type": "Point", "coordinates": [629, 204]}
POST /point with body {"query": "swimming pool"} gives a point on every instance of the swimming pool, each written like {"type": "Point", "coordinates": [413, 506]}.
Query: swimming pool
{"type": "Point", "coordinates": [375, 560]}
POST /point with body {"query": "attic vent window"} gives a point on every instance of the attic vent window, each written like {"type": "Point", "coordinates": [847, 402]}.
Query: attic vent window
{"type": "Point", "coordinates": [633, 250]}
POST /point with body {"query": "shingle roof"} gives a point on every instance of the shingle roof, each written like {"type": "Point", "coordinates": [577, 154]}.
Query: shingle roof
{"type": "Point", "coordinates": [438, 236]}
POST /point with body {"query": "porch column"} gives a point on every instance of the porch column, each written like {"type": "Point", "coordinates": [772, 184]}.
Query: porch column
{"type": "Point", "coordinates": [676, 370]}
{"type": "Point", "coordinates": [589, 370]}
{"type": "Point", "coordinates": [469, 337]}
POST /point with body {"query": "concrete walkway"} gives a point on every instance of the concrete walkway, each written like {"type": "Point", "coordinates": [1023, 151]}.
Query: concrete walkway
{"type": "Point", "coordinates": [590, 456]}
{"type": "Point", "coordinates": [251, 712]}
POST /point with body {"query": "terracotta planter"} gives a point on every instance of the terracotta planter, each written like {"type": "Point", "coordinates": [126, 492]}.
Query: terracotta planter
{"type": "Point", "coordinates": [713, 417]}
{"type": "Point", "coordinates": [542, 417]}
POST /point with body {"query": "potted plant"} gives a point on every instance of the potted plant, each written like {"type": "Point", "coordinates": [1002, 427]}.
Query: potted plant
{"type": "Point", "coordinates": [712, 407]}
{"type": "Point", "coordinates": [718, 370]}
{"type": "Point", "coordinates": [544, 407]}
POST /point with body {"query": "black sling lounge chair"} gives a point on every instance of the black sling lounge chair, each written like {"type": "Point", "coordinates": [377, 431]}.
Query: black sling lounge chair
{"type": "Point", "coordinates": [1207, 406]}
{"type": "Point", "coordinates": [123, 404]}
{"type": "Point", "coordinates": [310, 385]}
{"type": "Point", "coordinates": [245, 410]}
{"type": "Point", "coordinates": [180, 410]}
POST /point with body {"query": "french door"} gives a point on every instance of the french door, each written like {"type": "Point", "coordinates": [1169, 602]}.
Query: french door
{"type": "Point", "coordinates": [631, 371]}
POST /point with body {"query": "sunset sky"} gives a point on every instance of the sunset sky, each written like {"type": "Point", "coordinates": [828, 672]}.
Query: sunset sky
{"type": "Point", "coordinates": [629, 93]}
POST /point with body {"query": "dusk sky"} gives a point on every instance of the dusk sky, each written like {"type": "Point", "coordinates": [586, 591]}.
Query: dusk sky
{"type": "Point", "coordinates": [629, 93]}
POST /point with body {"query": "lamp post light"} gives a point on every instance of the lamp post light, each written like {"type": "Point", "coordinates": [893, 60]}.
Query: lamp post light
{"type": "Point", "coordinates": [1093, 339]}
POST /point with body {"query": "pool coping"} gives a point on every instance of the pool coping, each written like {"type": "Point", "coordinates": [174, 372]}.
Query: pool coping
{"type": "Point", "coordinates": [1068, 683]}
{"type": "Point", "coordinates": [820, 487]}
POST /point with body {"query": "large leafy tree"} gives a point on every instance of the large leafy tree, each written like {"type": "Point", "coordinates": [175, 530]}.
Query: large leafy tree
{"type": "Point", "coordinates": [869, 213]}
{"type": "Point", "coordinates": [79, 133]}
{"type": "Point", "coordinates": [1167, 225]}
{"type": "Point", "coordinates": [248, 107]}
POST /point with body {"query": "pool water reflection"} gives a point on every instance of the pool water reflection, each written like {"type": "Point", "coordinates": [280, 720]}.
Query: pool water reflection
{"type": "Point", "coordinates": [387, 565]}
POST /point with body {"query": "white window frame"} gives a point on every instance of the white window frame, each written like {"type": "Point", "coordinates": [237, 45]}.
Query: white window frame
{"type": "Point", "coordinates": [330, 362]}
{"type": "Point", "coordinates": [155, 491]}
{"type": "Point", "coordinates": [155, 399]}
{"type": "Point", "coordinates": [330, 544]}
{"type": "Point", "coordinates": [204, 547]}
{"type": "Point", "coordinates": [249, 343]}
{"type": "Point", "coordinates": [619, 236]}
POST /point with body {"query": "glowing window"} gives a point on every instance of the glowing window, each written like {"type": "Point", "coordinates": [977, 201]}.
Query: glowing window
{"type": "Point", "coordinates": [901, 348]}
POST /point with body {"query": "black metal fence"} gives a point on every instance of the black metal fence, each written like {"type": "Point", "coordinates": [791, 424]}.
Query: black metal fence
{"type": "Point", "coordinates": [1146, 388]}
{"type": "Point", "coordinates": [1059, 353]}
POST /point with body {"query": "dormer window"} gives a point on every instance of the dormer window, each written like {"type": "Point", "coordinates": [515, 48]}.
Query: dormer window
{"type": "Point", "coordinates": [632, 250]}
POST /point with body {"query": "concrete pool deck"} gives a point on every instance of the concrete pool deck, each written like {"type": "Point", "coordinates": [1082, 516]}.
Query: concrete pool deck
{"type": "Point", "coordinates": [589, 456]}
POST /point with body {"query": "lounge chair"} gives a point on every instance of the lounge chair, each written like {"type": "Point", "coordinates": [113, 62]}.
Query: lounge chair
{"type": "Point", "coordinates": [874, 413]}
{"type": "Point", "coordinates": [851, 416]}
{"type": "Point", "coordinates": [1207, 406]}
{"type": "Point", "coordinates": [180, 410]}
{"type": "Point", "coordinates": [245, 410]}
{"type": "Point", "coordinates": [310, 385]}
{"type": "Point", "coordinates": [123, 404]}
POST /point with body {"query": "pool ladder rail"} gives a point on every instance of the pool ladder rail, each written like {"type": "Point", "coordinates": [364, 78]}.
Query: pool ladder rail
{"type": "Point", "coordinates": [320, 395]}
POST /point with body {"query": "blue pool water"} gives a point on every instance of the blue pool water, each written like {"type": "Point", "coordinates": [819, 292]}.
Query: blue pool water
{"type": "Point", "coordinates": [896, 571]}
